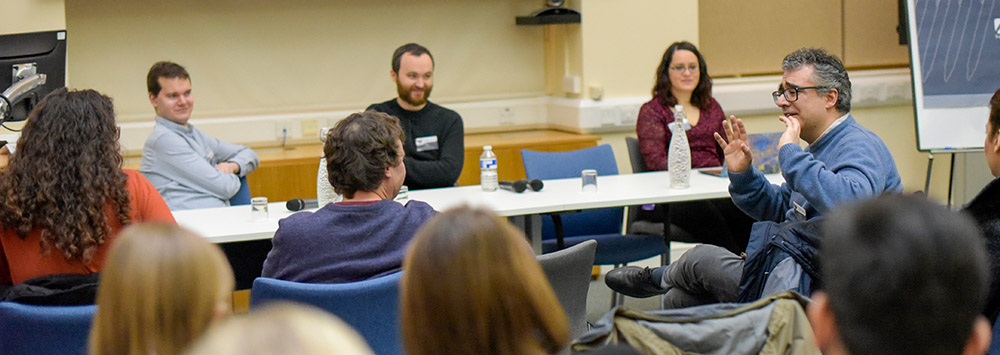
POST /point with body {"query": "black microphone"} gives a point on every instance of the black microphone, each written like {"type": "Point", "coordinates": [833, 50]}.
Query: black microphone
{"type": "Point", "coordinates": [299, 204]}
{"type": "Point", "coordinates": [536, 185]}
{"type": "Point", "coordinates": [517, 186]}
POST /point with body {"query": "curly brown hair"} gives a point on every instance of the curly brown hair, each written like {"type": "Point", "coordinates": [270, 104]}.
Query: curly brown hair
{"type": "Point", "coordinates": [65, 174]}
{"type": "Point", "coordinates": [359, 149]}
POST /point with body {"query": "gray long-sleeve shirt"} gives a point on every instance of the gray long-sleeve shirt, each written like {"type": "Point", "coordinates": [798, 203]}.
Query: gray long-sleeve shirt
{"type": "Point", "coordinates": [180, 161]}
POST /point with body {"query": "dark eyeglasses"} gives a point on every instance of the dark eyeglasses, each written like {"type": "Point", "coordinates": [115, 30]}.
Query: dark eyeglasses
{"type": "Point", "coordinates": [792, 94]}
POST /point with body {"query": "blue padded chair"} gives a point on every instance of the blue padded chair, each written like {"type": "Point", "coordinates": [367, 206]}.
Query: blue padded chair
{"type": "Point", "coordinates": [31, 329]}
{"type": "Point", "coordinates": [242, 197]}
{"type": "Point", "coordinates": [370, 306]}
{"type": "Point", "coordinates": [603, 225]}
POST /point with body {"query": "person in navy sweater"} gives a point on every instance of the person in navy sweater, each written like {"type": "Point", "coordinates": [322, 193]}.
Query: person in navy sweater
{"type": "Point", "coordinates": [843, 162]}
{"type": "Point", "coordinates": [366, 234]}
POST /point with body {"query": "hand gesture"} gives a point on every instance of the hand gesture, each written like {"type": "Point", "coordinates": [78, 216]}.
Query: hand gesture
{"type": "Point", "coordinates": [793, 128]}
{"type": "Point", "coordinates": [737, 150]}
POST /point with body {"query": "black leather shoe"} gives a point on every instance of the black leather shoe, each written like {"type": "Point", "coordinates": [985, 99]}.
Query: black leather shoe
{"type": "Point", "coordinates": [633, 281]}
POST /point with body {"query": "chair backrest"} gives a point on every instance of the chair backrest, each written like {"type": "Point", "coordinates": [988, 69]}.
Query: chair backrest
{"type": "Point", "coordinates": [370, 306]}
{"type": "Point", "coordinates": [30, 329]}
{"type": "Point", "coordinates": [242, 197]}
{"type": "Point", "coordinates": [635, 155]}
{"type": "Point", "coordinates": [560, 165]}
{"type": "Point", "coordinates": [568, 271]}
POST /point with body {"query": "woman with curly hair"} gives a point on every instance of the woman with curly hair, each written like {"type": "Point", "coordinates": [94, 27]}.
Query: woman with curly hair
{"type": "Point", "coordinates": [64, 194]}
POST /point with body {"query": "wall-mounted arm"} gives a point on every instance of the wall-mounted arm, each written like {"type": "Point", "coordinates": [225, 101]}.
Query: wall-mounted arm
{"type": "Point", "coordinates": [25, 80]}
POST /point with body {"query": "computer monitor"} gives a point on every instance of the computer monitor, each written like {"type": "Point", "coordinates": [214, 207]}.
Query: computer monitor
{"type": "Point", "coordinates": [31, 66]}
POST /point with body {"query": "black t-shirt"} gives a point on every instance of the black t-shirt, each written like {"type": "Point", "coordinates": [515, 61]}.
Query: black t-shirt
{"type": "Point", "coordinates": [434, 144]}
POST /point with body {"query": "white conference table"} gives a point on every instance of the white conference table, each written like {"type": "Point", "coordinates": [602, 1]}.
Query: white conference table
{"type": "Point", "coordinates": [233, 224]}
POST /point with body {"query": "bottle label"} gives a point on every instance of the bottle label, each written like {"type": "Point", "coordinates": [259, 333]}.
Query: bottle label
{"type": "Point", "coordinates": [487, 163]}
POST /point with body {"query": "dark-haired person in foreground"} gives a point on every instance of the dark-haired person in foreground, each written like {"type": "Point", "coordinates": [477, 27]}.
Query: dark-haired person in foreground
{"type": "Point", "coordinates": [65, 195]}
{"type": "Point", "coordinates": [365, 235]}
{"type": "Point", "coordinates": [902, 275]}
{"type": "Point", "coordinates": [190, 168]}
{"type": "Point", "coordinates": [435, 136]}
{"type": "Point", "coordinates": [844, 162]}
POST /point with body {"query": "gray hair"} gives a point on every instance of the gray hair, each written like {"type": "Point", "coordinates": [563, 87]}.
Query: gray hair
{"type": "Point", "coordinates": [828, 71]}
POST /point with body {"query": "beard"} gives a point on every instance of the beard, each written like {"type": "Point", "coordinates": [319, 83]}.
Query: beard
{"type": "Point", "coordinates": [405, 93]}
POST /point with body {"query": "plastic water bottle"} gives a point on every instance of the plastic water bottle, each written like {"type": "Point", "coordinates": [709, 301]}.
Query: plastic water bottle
{"type": "Point", "coordinates": [679, 155]}
{"type": "Point", "coordinates": [488, 169]}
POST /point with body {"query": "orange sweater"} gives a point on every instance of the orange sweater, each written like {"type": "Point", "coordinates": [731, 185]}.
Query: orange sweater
{"type": "Point", "coordinates": [22, 259]}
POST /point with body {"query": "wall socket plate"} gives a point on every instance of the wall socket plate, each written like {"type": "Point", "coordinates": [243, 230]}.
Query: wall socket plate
{"type": "Point", "coordinates": [310, 128]}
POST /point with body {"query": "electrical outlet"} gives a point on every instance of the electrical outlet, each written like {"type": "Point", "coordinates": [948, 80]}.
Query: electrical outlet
{"type": "Point", "coordinates": [630, 114]}
{"type": "Point", "coordinates": [310, 128]}
{"type": "Point", "coordinates": [506, 116]}
{"type": "Point", "coordinates": [610, 116]}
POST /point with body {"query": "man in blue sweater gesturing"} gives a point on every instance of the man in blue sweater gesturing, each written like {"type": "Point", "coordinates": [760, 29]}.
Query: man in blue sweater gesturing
{"type": "Point", "coordinates": [843, 162]}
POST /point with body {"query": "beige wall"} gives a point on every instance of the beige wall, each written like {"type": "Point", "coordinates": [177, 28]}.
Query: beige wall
{"type": "Point", "coordinates": [256, 56]}
{"type": "Point", "coordinates": [239, 55]}
{"type": "Point", "coordinates": [32, 16]}
{"type": "Point", "coordinates": [623, 41]}
{"type": "Point", "coordinates": [617, 46]}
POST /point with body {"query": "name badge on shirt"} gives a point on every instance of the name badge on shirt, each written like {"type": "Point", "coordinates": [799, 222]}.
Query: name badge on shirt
{"type": "Point", "coordinates": [799, 209]}
{"type": "Point", "coordinates": [426, 143]}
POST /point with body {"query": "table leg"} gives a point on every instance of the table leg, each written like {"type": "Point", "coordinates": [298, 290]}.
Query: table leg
{"type": "Point", "coordinates": [531, 225]}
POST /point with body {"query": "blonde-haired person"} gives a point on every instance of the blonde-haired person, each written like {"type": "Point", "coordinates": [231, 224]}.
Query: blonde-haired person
{"type": "Point", "coordinates": [161, 288]}
{"type": "Point", "coordinates": [471, 285]}
{"type": "Point", "coordinates": [282, 328]}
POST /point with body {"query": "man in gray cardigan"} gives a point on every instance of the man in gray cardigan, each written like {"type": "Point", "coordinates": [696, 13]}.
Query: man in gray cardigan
{"type": "Point", "coordinates": [189, 168]}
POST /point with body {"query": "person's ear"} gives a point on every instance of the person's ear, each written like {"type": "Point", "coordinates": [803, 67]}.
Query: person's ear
{"type": "Point", "coordinates": [152, 100]}
{"type": "Point", "coordinates": [979, 340]}
{"type": "Point", "coordinates": [995, 137]}
{"type": "Point", "coordinates": [831, 98]}
{"type": "Point", "coordinates": [822, 320]}
{"type": "Point", "coordinates": [392, 74]}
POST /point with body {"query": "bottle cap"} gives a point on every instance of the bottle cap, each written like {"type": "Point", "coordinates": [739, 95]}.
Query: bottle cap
{"type": "Point", "coordinates": [487, 147]}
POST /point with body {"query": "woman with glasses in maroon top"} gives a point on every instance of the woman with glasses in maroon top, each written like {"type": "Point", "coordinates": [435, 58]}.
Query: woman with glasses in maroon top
{"type": "Point", "coordinates": [682, 79]}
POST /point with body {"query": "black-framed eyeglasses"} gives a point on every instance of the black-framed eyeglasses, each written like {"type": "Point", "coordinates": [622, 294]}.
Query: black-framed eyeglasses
{"type": "Point", "coordinates": [792, 94]}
